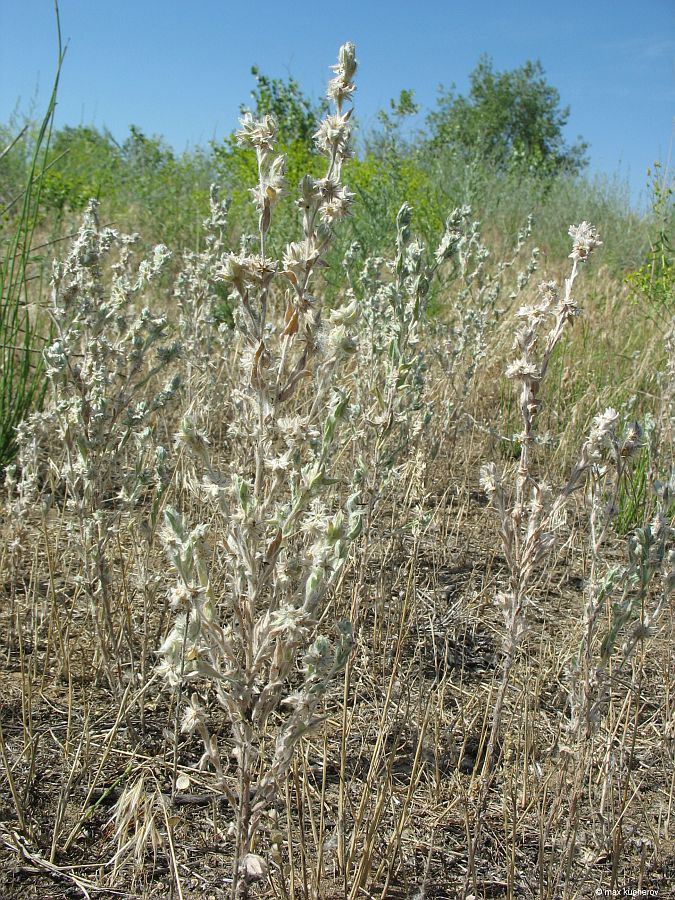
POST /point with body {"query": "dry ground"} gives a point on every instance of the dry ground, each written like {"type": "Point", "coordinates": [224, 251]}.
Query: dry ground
{"type": "Point", "coordinates": [398, 765]}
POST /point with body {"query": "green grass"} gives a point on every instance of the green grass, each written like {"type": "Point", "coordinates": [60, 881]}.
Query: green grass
{"type": "Point", "coordinates": [21, 375]}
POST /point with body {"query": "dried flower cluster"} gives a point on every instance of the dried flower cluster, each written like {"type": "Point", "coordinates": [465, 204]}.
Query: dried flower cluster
{"type": "Point", "coordinates": [286, 534]}
{"type": "Point", "coordinates": [103, 369]}
{"type": "Point", "coordinates": [528, 522]}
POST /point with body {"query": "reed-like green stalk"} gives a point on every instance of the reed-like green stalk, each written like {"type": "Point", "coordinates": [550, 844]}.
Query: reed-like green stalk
{"type": "Point", "coordinates": [21, 367]}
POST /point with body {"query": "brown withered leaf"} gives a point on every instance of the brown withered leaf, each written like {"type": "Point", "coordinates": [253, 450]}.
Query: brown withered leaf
{"type": "Point", "coordinates": [291, 322]}
{"type": "Point", "coordinates": [259, 362]}
{"type": "Point", "coordinates": [292, 383]}
{"type": "Point", "coordinates": [273, 548]}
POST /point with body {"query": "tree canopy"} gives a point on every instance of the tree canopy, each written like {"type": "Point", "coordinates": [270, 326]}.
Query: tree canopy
{"type": "Point", "coordinates": [512, 120]}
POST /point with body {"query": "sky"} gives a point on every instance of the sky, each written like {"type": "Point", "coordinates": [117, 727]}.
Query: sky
{"type": "Point", "coordinates": [181, 68]}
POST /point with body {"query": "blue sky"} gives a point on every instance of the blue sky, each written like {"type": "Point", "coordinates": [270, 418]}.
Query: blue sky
{"type": "Point", "coordinates": [182, 69]}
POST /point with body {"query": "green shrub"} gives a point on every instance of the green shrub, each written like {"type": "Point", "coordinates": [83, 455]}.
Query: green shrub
{"type": "Point", "coordinates": [512, 120]}
{"type": "Point", "coordinates": [653, 283]}
{"type": "Point", "coordinates": [84, 163]}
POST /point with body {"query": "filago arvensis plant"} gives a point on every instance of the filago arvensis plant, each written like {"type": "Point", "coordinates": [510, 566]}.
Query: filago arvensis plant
{"type": "Point", "coordinates": [245, 634]}
{"type": "Point", "coordinates": [390, 397]}
{"type": "Point", "coordinates": [198, 291]}
{"type": "Point", "coordinates": [93, 449]}
{"type": "Point", "coordinates": [528, 520]}
{"type": "Point", "coordinates": [623, 606]}
{"type": "Point", "coordinates": [622, 601]}
{"type": "Point", "coordinates": [302, 430]}
{"type": "Point", "coordinates": [476, 284]}
{"type": "Point", "coordinates": [529, 512]}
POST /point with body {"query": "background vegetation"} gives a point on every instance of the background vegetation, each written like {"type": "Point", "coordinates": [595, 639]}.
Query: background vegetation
{"type": "Point", "coordinates": [501, 148]}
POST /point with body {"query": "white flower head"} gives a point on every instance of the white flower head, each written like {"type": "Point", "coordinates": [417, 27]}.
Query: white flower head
{"type": "Point", "coordinates": [342, 87]}
{"type": "Point", "coordinates": [257, 133]}
{"type": "Point", "coordinates": [488, 478]}
{"type": "Point", "coordinates": [601, 431]}
{"type": "Point", "coordinates": [194, 717]}
{"type": "Point", "coordinates": [252, 867]}
{"type": "Point", "coordinates": [550, 292]}
{"type": "Point", "coordinates": [523, 370]}
{"type": "Point", "coordinates": [271, 186]}
{"type": "Point", "coordinates": [333, 134]}
{"type": "Point", "coordinates": [585, 239]}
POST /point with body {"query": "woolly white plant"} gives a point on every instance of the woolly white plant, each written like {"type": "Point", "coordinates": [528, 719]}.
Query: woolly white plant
{"type": "Point", "coordinates": [625, 600]}
{"type": "Point", "coordinates": [476, 285]}
{"type": "Point", "coordinates": [636, 594]}
{"type": "Point", "coordinates": [528, 519]}
{"type": "Point", "coordinates": [200, 296]}
{"type": "Point", "coordinates": [624, 604]}
{"type": "Point", "coordinates": [245, 635]}
{"type": "Point", "coordinates": [392, 362]}
{"type": "Point", "coordinates": [94, 443]}
{"type": "Point", "coordinates": [530, 513]}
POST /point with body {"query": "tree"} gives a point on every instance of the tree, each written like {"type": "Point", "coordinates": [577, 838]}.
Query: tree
{"type": "Point", "coordinates": [84, 163]}
{"type": "Point", "coordinates": [511, 120]}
